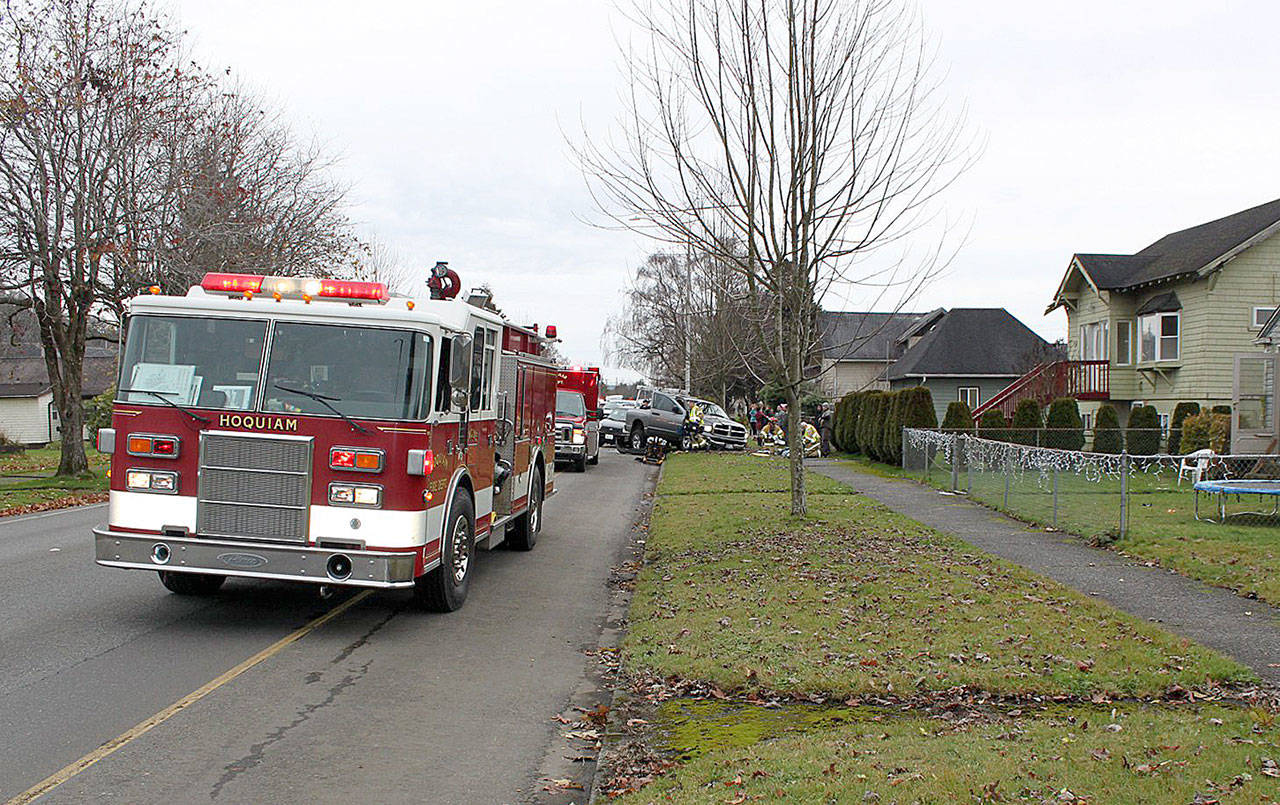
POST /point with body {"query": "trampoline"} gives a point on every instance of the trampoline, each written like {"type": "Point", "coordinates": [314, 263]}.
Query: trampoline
{"type": "Point", "coordinates": [1225, 488]}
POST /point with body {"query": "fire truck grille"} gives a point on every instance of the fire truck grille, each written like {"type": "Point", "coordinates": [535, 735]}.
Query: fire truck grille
{"type": "Point", "coordinates": [254, 487]}
{"type": "Point", "coordinates": [564, 433]}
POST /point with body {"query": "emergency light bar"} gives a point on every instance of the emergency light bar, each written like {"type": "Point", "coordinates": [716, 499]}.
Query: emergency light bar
{"type": "Point", "coordinates": [295, 287]}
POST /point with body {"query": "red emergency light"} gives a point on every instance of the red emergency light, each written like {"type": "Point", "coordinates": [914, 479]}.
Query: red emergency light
{"type": "Point", "coordinates": [295, 287]}
{"type": "Point", "coordinates": [232, 283]}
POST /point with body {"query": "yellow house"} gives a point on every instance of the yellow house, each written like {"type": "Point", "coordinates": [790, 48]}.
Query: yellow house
{"type": "Point", "coordinates": [1180, 320]}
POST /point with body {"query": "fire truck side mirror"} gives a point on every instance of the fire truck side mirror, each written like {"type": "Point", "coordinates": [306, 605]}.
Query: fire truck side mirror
{"type": "Point", "coordinates": [460, 370]}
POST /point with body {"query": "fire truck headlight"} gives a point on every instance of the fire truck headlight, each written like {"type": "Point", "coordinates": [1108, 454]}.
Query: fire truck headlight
{"type": "Point", "coordinates": [364, 495]}
{"type": "Point", "coordinates": [151, 481]}
{"type": "Point", "coordinates": [579, 436]}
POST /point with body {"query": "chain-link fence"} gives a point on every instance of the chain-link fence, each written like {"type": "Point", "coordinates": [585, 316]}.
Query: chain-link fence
{"type": "Point", "coordinates": [1099, 495]}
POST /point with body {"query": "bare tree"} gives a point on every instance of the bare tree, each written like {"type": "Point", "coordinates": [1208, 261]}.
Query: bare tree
{"type": "Point", "coordinates": [376, 261]}
{"type": "Point", "coordinates": [122, 165]}
{"type": "Point", "coordinates": [681, 325]}
{"type": "Point", "coordinates": [807, 133]}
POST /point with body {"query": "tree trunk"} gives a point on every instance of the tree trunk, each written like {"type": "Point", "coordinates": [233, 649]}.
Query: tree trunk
{"type": "Point", "coordinates": [795, 450]}
{"type": "Point", "coordinates": [73, 460]}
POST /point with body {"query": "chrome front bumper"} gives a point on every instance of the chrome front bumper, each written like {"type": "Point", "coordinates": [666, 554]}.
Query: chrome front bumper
{"type": "Point", "coordinates": [255, 560]}
{"type": "Point", "coordinates": [570, 450]}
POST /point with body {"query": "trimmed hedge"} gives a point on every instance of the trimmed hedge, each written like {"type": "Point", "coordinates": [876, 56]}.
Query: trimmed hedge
{"type": "Point", "coordinates": [1195, 433]}
{"type": "Point", "coordinates": [868, 426]}
{"type": "Point", "coordinates": [1180, 413]}
{"type": "Point", "coordinates": [1065, 428]}
{"type": "Point", "coordinates": [993, 425]}
{"type": "Point", "coordinates": [1026, 422]}
{"type": "Point", "coordinates": [1142, 434]}
{"type": "Point", "coordinates": [891, 429]}
{"type": "Point", "coordinates": [1107, 437]}
{"type": "Point", "coordinates": [959, 418]}
{"type": "Point", "coordinates": [848, 421]}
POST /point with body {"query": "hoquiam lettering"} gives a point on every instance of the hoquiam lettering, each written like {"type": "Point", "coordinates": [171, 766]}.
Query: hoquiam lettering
{"type": "Point", "coordinates": [257, 422]}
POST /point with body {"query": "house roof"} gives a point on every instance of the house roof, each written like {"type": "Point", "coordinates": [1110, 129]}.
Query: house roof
{"type": "Point", "coordinates": [1185, 253]}
{"type": "Point", "coordinates": [1162, 303]}
{"type": "Point", "coordinates": [10, 390]}
{"type": "Point", "coordinates": [853, 336]}
{"type": "Point", "coordinates": [972, 341]}
{"type": "Point", "coordinates": [28, 377]}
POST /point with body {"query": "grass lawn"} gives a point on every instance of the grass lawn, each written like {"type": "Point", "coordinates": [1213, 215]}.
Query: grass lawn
{"type": "Point", "coordinates": [36, 460]}
{"type": "Point", "coordinates": [858, 601]}
{"type": "Point", "coordinates": [1140, 754]}
{"type": "Point", "coordinates": [1242, 554]}
{"type": "Point", "coordinates": [20, 493]}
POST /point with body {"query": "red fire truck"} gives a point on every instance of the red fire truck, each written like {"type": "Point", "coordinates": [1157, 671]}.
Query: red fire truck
{"type": "Point", "coordinates": [578, 416]}
{"type": "Point", "coordinates": [322, 431]}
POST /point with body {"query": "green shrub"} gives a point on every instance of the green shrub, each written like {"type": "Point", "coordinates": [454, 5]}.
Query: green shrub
{"type": "Point", "coordinates": [917, 408]}
{"type": "Point", "coordinates": [891, 430]}
{"type": "Point", "coordinates": [1195, 433]}
{"type": "Point", "coordinates": [1142, 434]}
{"type": "Point", "coordinates": [993, 425]}
{"type": "Point", "coordinates": [97, 412]}
{"type": "Point", "coordinates": [958, 418]}
{"type": "Point", "coordinates": [1180, 413]}
{"type": "Point", "coordinates": [868, 426]}
{"type": "Point", "coordinates": [1107, 437]}
{"type": "Point", "coordinates": [847, 421]}
{"type": "Point", "coordinates": [1064, 427]}
{"type": "Point", "coordinates": [1026, 422]}
{"type": "Point", "coordinates": [1220, 433]}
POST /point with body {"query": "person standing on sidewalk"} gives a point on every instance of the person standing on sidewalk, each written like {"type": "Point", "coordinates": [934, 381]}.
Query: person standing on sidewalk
{"type": "Point", "coordinates": [825, 419]}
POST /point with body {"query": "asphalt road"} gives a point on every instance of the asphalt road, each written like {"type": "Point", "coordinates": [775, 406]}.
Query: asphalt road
{"type": "Point", "coordinates": [382, 703]}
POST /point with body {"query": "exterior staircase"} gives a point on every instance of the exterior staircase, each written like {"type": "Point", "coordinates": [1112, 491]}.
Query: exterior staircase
{"type": "Point", "coordinates": [1083, 380]}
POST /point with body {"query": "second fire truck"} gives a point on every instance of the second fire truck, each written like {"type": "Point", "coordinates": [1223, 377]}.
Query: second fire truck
{"type": "Point", "coordinates": [322, 431]}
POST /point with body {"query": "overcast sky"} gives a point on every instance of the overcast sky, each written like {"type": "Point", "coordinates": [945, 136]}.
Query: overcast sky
{"type": "Point", "coordinates": [1106, 126]}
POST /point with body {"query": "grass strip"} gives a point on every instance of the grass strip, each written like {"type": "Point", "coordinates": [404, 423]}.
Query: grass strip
{"type": "Point", "coordinates": [1129, 754]}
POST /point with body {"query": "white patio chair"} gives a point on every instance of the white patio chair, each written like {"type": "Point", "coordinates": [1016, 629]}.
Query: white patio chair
{"type": "Point", "coordinates": [1194, 464]}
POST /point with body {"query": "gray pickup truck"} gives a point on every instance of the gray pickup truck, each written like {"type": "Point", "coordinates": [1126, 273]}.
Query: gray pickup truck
{"type": "Point", "coordinates": [663, 416]}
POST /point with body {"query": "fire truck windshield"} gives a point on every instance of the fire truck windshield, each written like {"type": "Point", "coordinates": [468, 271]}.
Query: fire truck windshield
{"type": "Point", "coordinates": [201, 362]}
{"type": "Point", "coordinates": [570, 403]}
{"type": "Point", "coordinates": [362, 372]}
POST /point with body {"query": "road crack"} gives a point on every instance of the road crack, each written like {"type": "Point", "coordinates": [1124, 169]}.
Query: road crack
{"type": "Point", "coordinates": [257, 752]}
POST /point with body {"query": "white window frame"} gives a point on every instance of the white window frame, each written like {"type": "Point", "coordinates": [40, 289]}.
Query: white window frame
{"type": "Point", "coordinates": [1094, 342]}
{"type": "Point", "coordinates": [964, 392]}
{"type": "Point", "coordinates": [1257, 323]}
{"type": "Point", "coordinates": [1160, 355]}
{"type": "Point", "coordinates": [1086, 420]}
{"type": "Point", "coordinates": [1127, 358]}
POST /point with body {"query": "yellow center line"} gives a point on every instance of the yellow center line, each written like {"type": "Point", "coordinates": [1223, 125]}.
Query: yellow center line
{"type": "Point", "coordinates": [71, 770]}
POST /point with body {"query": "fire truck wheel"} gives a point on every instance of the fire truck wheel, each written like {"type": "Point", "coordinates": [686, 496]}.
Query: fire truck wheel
{"type": "Point", "coordinates": [191, 583]}
{"type": "Point", "coordinates": [524, 534]}
{"type": "Point", "coordinates": [445, 588]}
{"type": "Point", "coordinates": [580, 464]}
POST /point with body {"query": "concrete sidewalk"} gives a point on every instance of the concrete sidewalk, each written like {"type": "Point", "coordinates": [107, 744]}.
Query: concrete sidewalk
{"type": "Point", "coordinates": [1246, 630]}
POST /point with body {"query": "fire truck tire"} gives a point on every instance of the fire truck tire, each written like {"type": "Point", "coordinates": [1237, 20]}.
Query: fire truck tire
{"type": "Point", "coordinates": [524, 534]}
{"type": "Point", "coordinates": [580, 464]}
{"type": "Point", "coordinates": [191, 583]}
{"type": "Point", "coordinates": [445, 588]}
